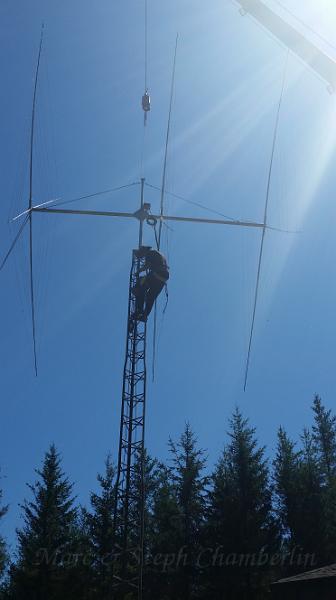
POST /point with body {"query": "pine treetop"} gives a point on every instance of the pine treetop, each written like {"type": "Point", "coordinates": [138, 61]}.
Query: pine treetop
{"type": "Point", "coordinates": [49, 516]}
{"type": "Point", "coordinates": [324, 438]}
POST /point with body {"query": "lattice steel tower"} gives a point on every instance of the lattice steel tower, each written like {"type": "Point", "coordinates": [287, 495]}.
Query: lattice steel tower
{"type": "Point", "coordinates": [130, 494]}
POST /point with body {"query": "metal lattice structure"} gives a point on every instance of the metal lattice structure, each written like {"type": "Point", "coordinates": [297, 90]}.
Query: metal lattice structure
{"type": "Point", "coordinates": [129, 503]}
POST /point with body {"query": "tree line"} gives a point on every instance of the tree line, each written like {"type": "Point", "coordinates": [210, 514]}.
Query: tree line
{"type": "Point", "coordinates": [221, 534]}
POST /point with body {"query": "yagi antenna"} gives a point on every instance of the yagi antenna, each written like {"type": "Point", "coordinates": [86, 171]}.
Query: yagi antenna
{"type": "Point", "coordinates": [127, 515]}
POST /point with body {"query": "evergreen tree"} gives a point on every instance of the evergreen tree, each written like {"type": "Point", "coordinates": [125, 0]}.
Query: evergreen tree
{"type": "Point", "coordinates": [101, 526]}
{"type": "Point", "coordinates": [286, 477]}
{"type": "Point", "coordinates": [189, 488]}
{"type": "Point", "coordinates": [100, 531]}
{"type": "Point", "coordinates": [305, 493]}
{"type": "Point", "coordinates": [242, 532]}
{"type": "Point", "coordinates": [310, 522]}
{"type": "Point", "coordinates": [3, 551]}
{"type": "Point", "coordinates": [80, 573]}
{"type": "Point", "coordinates": [324, 436]}
{"type": "Point", "coordinates": [150, 469]}
{"type": "Point", "coordinates": [164, 536]}
{"type": "Point", "coordinates": [45, 542]}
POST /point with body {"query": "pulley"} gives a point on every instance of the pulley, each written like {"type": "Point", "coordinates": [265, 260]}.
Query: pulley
{"type": "Point", "coordinates": [152, 221]}
{"type": "Point", "coordinates": [146, 102]}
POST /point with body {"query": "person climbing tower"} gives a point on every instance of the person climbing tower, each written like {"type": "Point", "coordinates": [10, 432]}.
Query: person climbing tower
{"type": "Point", "coordinates": [149, 286]}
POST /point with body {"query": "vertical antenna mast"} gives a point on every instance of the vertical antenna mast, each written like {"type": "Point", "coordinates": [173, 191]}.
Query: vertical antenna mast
{"type": "Point", "coordinates": [163, 185]}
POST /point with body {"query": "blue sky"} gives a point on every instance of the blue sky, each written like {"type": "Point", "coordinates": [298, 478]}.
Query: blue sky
{"type": "Point", "coordinates": [88, 138]}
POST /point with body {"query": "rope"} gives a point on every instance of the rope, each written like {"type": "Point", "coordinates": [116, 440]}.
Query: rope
{"type": "Point", "coordinates": [146, 57]}
{"type": "Point", "coordinates": [143, 142]}
{"type": "Point", "coordinates": [160, 328]}
{"type": "Point", "coordinates": [154, 224]}
{"type": "Point", "coordinates": [142, 154]}
{"type": "Point", "coordinates": [167, 299]}
{"type": "Point", "coordinates": [270, 170]}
